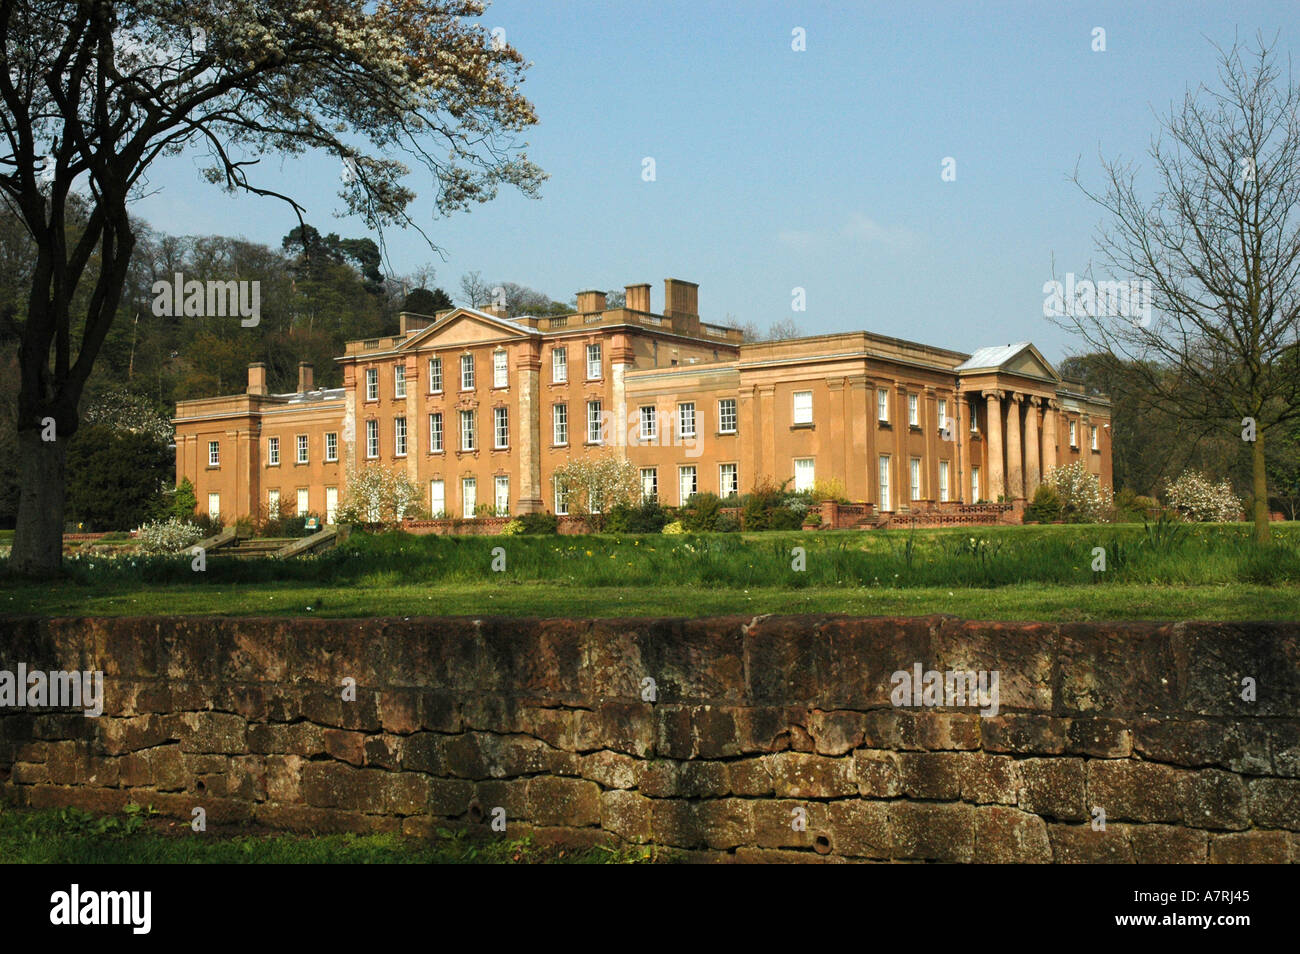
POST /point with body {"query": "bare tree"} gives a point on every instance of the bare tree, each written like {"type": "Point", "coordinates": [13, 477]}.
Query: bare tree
{"type": "Point", "coordinates": [92, 92]}
{"type": "Point", "coordinates": [1218, 251]}
{"type": "Point", "coordinates": [474, 290]}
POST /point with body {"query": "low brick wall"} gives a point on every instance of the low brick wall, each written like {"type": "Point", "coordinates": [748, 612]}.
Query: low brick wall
{"type": "Point", "coordinates": [753, 727]}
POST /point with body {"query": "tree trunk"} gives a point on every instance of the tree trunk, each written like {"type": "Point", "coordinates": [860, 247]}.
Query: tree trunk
{"type": "Point", "coordinates": [1259, 482]}
{"type": "Point", "coordinates": [38, 535]}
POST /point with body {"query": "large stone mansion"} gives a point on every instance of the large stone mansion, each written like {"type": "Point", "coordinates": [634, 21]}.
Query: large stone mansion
{"type": "Point", "coordinates": [479, 409]}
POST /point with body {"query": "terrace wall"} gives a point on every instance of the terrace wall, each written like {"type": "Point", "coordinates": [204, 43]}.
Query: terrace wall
{"type": "Point", "coordinates": [750, 720]}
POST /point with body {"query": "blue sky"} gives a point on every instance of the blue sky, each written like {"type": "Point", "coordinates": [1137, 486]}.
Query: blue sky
{"type": "Point", "coordinates": [819, 169]}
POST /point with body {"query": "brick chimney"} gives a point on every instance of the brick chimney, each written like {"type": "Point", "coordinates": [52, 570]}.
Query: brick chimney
{"type": "Point", "coordinates": [637, 298]}
{"type": "Point", "coordinates": [590, 301]}
{"type": "Point", "coordinates": [498, 311]}
{"type": "Point", "coordinates": [257, 378]}
{"type": "Point", "coordinates": [304, 375]}
{"type": "Point", "coordinates": [681, 299]}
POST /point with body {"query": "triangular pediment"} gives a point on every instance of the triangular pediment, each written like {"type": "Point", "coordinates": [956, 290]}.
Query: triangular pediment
{"type": "Point", "coordinates": [1021, 358]}
{"type": "Point", "coordinates": [466, 326]}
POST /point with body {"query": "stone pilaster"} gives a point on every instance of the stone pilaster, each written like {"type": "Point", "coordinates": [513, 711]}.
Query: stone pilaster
{"type": "Point", "coordinates": [996, 476]}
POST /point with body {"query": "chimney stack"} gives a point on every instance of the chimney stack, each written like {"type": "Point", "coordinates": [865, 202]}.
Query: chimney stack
{"type": "Point", "coordinates": [257, 378]}
{"type": "Point", "coordinates": [497, 311]}
{"type": "Point", "coordinates": [590, 301]}
{"type": "Point", "coordinates": [637, 298]}
{"type": "Point", "coordinates": [304, 376]}
{"type": "Point", "coordinates": [681, 299]}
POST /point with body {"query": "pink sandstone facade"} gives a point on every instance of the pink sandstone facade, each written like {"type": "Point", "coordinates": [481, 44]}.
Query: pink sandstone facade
{"type": "Point", "coordinates": [479, 409]}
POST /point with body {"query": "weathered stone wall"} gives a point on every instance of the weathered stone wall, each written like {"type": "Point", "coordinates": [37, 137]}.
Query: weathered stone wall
{"type": "Point", "coordinates": [752, 720]}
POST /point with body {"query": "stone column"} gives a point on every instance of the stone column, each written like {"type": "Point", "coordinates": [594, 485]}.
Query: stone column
{"type": "Point", "coordinates": [1033, 449]}
{"type": "Point", "coordinates": [1015, 467]}
{"type": "Point", "coordinates": [528, 370]}
{"type": "Point", "coordinates": [1049, 435]}
{"type": "Point", "coordinates": [996, 480]}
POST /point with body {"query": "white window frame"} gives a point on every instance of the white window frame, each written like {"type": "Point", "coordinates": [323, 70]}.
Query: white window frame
{"type": "Point", "coordinates": [372, 384]}
{"type": "Point", "coordinates": [559, 364]}
{"type": "Point", "coordinates": [653, 474]}
{"type": "Point", "coordinates": [649, 430]}
{"type": "Point", "coordinates": [685, 420]}
{"type": "Point", "coordinates": [561, 498]}
{"type": "Point", "coordinates": [436, 435]}
{"type": "Point", "coordinates": [722, 417]}
{"type": "Point", "coordinates": [372, 439]}
{"type": "Point", "coordinates": [914, 477]}
{"type": "Point", "coordinates": [500, 370]}
{"type": "Point", "coordinates": [214, 505]}
{"type": "Point", "coordinates": [560, 425]}
{"type": "Point", "coordinates": [1074, 434]}
{"type": "Point", "coordinates": [331, 504]}
{"type": "Point", "coordinates": [438, 498]}
{"type": "Point", "coordinates": [725, 491]}
{"type": "Point", "coordinates": [882, 405]}
{"type": "Point", "coordinates": [399, 436]}
{"type": "Point", "coordinates": [331, 447]}
{"type": "Point", "coordinates": [914, 410]}
{"type": "Point", "coordinates": [468, 429]}
{"type": "Point", "coordinates": [594, 421]}
{"type": "Point", "coordinates": [273, 504]}
{"type": "Point", "coordinates": [399, 380]}
{"type": "Point", "coordinates": [468, 497]}
{"type": "Point", "coordinates": [594, 363]}
{"type": "Point", "coordinates": [501, 502]}
{"type": "Point", "coordinates": [214, 453]}
{"type": "Point", "coordinates": [1095, 436]}
{"type": "Point", "coordinates": [435, 375]}
{"type": "Point", "coordinates": [467, 372]}
{"type": "Point", "coordinates": [806, 480]}
{"type": "Point", "coordinates": [943, 415]}
{"type": "Point", "coordinates": [683, 492]}
{"type": "Point", "coordinates": [304, 502]}
{"type": "Point", "coordinates": [304, 449]}
{"type": "Point", "coordinates": [975, 484]}
{"type": "Point", "coordinates": [273, 452]}
{"type": "Point", "coordinates": [501, 428]}
{"type": "Point", "coordinates": [944, 485]}
{"type": "Point", "coordinates": [804, 414]}
{"type": "Point", "coordinates": [884, 474]}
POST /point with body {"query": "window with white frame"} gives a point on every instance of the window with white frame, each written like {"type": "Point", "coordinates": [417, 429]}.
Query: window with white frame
{"type": "Point", "coordinates": [686, 482]}
{"type": "Point", "coordinates": [649, 424]}
{"type": "Point", "coordinates": [686, 420]}
{"type": "Point", "coordinates": [1074, 434]}
{"type": "Point", "coordinates": [501, 427]}
{"type": "Point", "coordinates": [727, 415]}
{"type": "Point", "coordinates": [974, 419]}
{"type": "Point", "coordinates": [214, 453]}
{"type": "Point", "coordinates": [561, 498]}
{"type": "Point", "coordinates": [437, 499]}
{"type": "Point", "coordinates": [468, 497]}
{"type": "Point", "coordinates": [649, 484]}
{"type": "Point", "coordinates": [467, 372]}
{"type": "Point", "coordinates": [435, 433]}
{"type": "Point", "coordinates": [399, 380]}
{"type": "Point", "coordinates": [943, 415]}
{"type": "Point", "coordinates": [500, 373]}
{"type": "Point", "coordinates": [559, 364]}
{"type": "Point", "coordinates": [331, 446]}
{"type": "Point", "coordinates": [803, 474]}
{"type": "Point", "coordinates": [435, 375]}
{"type": "Point", "coordinates": [913, 410]}
{"type": "Point", "coordinates": [882, 404]}
{"type": "Point", "coordinates": [803, 411]}
{"type": "Point", "coordinates": [331, 504]}
{"type": "Point", "coordinates": [593, 422]}
{"type": "Point", "coordinates": [728, 480]}
{"type": "Point", "coordinates": [399, 436]}
{"type": "Point", "coordinates": [372, 384]}
{"type": "Point", "coordinates": [302, 448]}
{"type": "Point", "coordinates": [593, 361]}
{"type": "Point", "coordinates": [467, 428]}
{"type": "Point", "coordinates": [975, 485]}
{"type": "Point", "coordinates": [502, 501]}
{"type": "Point", "coordinates": [273, 451]}
{"type": "Point", "coordinates": [372, 439]}
{"type": "Point", "coordinates": [273, 504]}
{"type": "Point", "coordinates": [214, 505]}
{"type": "Point", "coordinates": [914, 473]}
{"type": "Point", "coordinates": [560, 424]}
{"type": "Point", "coordinates": [303, 499]}
{"type": "Point", "coordinates": [886, 498]}
{"type": "Point", "coordinates": [943, 481]}
{"type": "Point", "coordinates": [1095, 444]}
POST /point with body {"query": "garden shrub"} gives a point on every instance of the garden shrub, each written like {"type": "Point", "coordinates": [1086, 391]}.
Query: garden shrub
{"type": "Point", "coordinates": [1083, 499]}
{"type": "Point", "coordinates": [1197, 498]}
{"type": "Point", "coordinates": [647, 517]}
{"type": "Point", "coordinates": [1046, 506]}
{"type": "Point", "coordinates": [539, 523]}
{"type": "Point", "coordinates": [702, 513]}
{"type": "Point", "coordinates": [513, 529]}
{"type": "Point", "coordinates": [168, 536]}
{"type": "Point", "coordinates": [674, 528]}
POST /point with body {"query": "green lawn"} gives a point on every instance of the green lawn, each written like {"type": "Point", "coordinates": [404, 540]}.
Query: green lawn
{"type": "Point", "coordinates": [1014, 573]}
{"type": "Point", "coordinates": [70, 836]}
